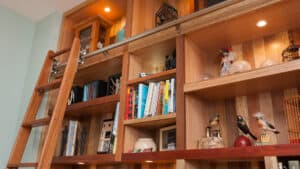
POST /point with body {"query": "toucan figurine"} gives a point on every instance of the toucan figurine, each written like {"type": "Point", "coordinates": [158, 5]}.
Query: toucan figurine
{"type": "Point", "coordinates": [242, 125]}
{"type": "Point", "coordinates": [264, 124]}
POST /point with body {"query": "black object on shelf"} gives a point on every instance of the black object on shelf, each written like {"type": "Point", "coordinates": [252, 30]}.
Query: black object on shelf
{"type": "Point", "coordinates": [170, 62]}
{"type": "Point", "coordinates": [76, 95]}
{"type": "Point", "coordinates": [114, 83]}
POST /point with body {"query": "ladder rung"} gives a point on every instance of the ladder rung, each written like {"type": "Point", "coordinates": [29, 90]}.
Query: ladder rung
{"type": "Point", "coordinates": [11, 165]}
{"type": "Point", "coordinates": [60, 52]}
{"type": "Point", "coordinates": [49, 86]}
{"type": "Point", "coordinates": [37, 123]}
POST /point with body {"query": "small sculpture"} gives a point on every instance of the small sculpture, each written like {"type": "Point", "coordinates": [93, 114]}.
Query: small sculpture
{"type": "Point", "coordinates": [292, 52]}
{"type": "Point", "coordinates": [268, 62]}
{"type": "Point", "coordinates": [264, 124]}
{"type": "Point", "coordinates": [239, 66]}
{"type": "Point", "coordinates": [165, 13]}
{"type": "Point", "coordinates": [242, 125]}
{"type": "Point", "coordinates": [170, 62]}
{"type": "Point", "coordinates": [228, 56]}
{"type": "Point", "coordinates": [213, 137]}
{"type": "Point", "coordinates": [265, 137]}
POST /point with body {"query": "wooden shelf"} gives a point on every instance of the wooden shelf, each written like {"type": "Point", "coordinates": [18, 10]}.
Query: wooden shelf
{"type": "Point", "coordinates": [153, 156]}
{"type": "Point", "coordinates": [263, 79]}
{"type": "Point", "coordinates": [157, 121]}
{"type": "Point", "coordinates": [231, 153]}
{"type": "Point", "coordinates": [104, 104]}
{"type": "Point", "coordinates": [246, 153]}
{"type": "Point", "coordinates": [154, 77]}
{"type": "Point", "coordinates": [85, 159]}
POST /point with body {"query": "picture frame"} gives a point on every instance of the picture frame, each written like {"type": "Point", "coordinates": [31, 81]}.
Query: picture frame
{"type": "Point", "coordinates": [167, 138]}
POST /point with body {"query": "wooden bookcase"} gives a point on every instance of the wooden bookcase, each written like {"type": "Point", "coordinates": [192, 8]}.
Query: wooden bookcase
{"type": "Point", "coordinates": [196, 36]}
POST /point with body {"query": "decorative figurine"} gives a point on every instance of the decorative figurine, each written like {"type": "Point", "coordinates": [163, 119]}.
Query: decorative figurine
{"type": "Point", "coordinates": [170, 62]}
{"type": "Point", "coordinates": [292, 52]}
{"type": "Point", "coordinates": [239, 66]}
{"type": "Point", "coordinates": [143, 74]}
{"type": "Point", "coordinates": [165, 13]}
{"type": "Point", "coordinates": [242, 141]}
{"type": "Point", "coordinates": [228, 56]}
{"type": "Point", "coordinates": [242, 125]}
{"type": "Point", "coordinates": [213, 134]}
{"type": "Point", "coordinates": [268, 62]}
{"type": "Point", "coordinates": [206, 76]}
{"type": "Point", "coordinates": [144, 145]}
{"type": "Point", "coordinates": [265, 127]}
{"type": "Point", "coordinates": [264, 124]}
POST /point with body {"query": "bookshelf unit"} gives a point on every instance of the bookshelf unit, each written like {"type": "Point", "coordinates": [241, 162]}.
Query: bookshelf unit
{"type": "Point", "coordinates": [195, 36]}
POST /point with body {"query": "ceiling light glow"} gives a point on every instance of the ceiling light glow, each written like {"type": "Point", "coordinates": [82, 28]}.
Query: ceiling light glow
{"type": "Point", "coordinates": [261, 23]}
{"type": "Point", "coordinates": [107, 9]}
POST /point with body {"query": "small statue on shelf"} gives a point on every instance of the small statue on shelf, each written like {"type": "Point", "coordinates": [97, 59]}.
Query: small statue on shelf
{"type": "Point", "coordinates": [213, 134]}
{"type": "Point", "coordinates": [266, 127]}
{"type": "Point", "coordinates": [170, 62]}
{"type": "Point", "coordinates": [242, 140]}
{"type": "Point", "coordinates": [227, 56]}
{"type": "Point", "coordinates": [292, 52]}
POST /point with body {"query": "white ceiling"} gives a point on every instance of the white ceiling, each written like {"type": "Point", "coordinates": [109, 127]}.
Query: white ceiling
{"type": "Point", "coordinates": [36, 10]}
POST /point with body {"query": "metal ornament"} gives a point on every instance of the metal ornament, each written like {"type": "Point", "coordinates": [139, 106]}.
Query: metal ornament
{"type": "Point", "coordinates": [292, 52]}
{"type": "Point", "coordinates": [165, 13]}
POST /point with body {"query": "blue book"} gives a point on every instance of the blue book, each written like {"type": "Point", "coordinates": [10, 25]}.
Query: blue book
{"type": "Point", "coordinates": [142, 97]}
{"type": "Point", "coordinates": [85, 90]}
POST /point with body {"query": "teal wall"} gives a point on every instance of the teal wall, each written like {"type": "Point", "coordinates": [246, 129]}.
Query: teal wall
{"type": "Point", "coordinates": [16, 36]}
{"type": "Point", "coordinates": [23, 46]}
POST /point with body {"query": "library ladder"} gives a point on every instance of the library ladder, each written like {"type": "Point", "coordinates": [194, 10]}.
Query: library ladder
{"type": "Point", "coordinates": [55, 120]}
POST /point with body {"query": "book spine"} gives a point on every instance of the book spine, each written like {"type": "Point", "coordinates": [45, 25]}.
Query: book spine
{"type": "Point", "coordinates": [139, 115]}
{"type": "Point", "coordinates": [128, 105]}
{"type": "Point", "coordinates": [154, 99]}
{"type": "Point", "coordinates": [171, 98]}
{"type": "Point", "coordinates": [84, 93]}
{"type": "Point", "coordinates": [144, 98]}
{"type": "Point", "coordinates": [149, 99]}
{"type": "Point", "coordinates": [166, 98]}
{"type": "Point", "coordinates": [115, 128]}
{"type": "Point", "coordinates": [71, 138]}
{"type": "Point", "coordinates": [160, 98]}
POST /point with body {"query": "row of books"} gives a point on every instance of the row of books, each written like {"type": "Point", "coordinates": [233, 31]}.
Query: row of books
{"type": "Point", "coordinates": [95, 89]}
{"type": "Point", "coordinates": [149, 100]}
{"type": "Point", "coordinates": [74, 135]}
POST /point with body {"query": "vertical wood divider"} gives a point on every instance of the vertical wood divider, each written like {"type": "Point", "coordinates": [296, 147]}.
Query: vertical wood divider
{"type": "Point", "coordinates": [180, 101]}
{"type": "Point", "coordinates": [121, 128]}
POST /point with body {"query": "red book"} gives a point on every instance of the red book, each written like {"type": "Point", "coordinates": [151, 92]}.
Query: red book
{"type": "Point", "coordinates": [128, 114]}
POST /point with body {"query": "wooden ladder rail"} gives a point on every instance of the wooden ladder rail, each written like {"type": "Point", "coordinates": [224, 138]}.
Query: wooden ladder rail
{"type": "Point", "coordinates": [59, 108]}
{"type": "Point", "coordinates": [56, 119]}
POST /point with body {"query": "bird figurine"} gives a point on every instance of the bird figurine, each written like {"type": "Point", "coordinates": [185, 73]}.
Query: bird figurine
{"type": "Point", "coordinates": [264, 124]}
{"type": "Point", "coordinates": [214, 121]}
{"type": "Point", "coordinates": [242, 125]}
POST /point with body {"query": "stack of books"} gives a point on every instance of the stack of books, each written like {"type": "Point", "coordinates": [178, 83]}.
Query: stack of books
{"type": "Point", "coordinates": [94, 89]}
{"type": "Point", "coordinates": [149, 100]}
{"type": "Point", "coordinates": [74, 136]}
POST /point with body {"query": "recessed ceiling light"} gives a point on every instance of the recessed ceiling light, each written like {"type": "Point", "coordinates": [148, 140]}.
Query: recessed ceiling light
{"type": "Point", "coordinates": [261, 23]}
{"type": "Point", "coordinates": [148, 161]}
{"type": "Point", "coordinates": [107, 9]}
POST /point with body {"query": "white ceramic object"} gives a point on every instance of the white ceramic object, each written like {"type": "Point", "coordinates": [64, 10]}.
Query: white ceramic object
{"type": "Point", "coordinates": [239, 66]}
{"type": "Point", "coordinates": [145, 144]}
{"type": "Point", "coordinates": [268, 62]}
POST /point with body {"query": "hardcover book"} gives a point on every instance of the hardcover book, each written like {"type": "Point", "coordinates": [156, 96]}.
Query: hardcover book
{"type": "Point", "coordinates": [142, 97]}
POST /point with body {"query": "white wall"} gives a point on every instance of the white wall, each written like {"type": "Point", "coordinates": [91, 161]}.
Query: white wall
{"type": "Point", "coordinates": [23, 46]}
{"type": "Point", "coordinates": [45, 38]}
{"type": "Point", "coordinates": [16, 36]}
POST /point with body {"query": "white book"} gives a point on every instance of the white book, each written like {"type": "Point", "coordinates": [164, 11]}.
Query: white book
{"type": "Point", "coordinates": [155, 99]}
{"type": "Point", "coordinates": [149, 99]}
{"type": "Point", "coordinates": [171, 96]}
{"type": "Point", "coordinates": [71, 140]}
